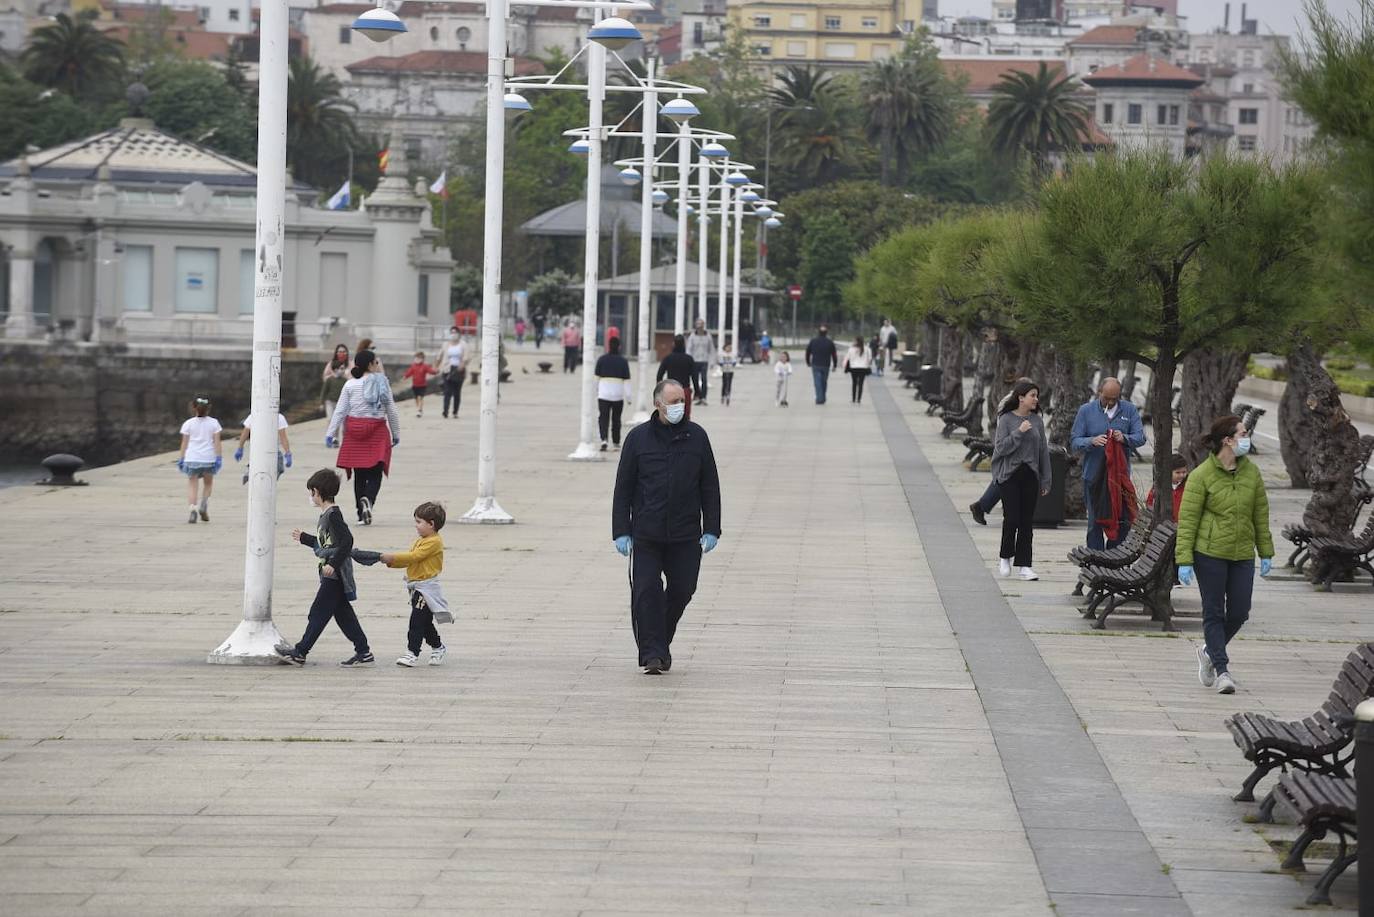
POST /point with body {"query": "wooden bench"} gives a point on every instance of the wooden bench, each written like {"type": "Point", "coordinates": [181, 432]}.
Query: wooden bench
{"type": "Point", "coordinates": [1123, 555]}
{"type": "Point", "coordinates": [979, 451]}
{"type": "Point", "coordinates": [970, 419]}
{"type": "Point", "coordinates": [1322, 804]}
{"type": "Point", "coordinates": [1319, 744]}
{"type": "Point", "coordinates": [1301, 536]}
{"type": "Point", "coordinates": [1140, 581]}
{"type": "Point", "coordinates": [1358, 550]}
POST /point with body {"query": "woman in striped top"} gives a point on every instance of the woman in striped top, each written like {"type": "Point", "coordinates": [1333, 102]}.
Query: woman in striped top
{"type": "Point", "coordinates": [366, 416]}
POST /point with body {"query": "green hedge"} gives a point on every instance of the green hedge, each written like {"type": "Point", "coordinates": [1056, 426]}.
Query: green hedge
{"type": "Point", "coordinates": [1347, 383]}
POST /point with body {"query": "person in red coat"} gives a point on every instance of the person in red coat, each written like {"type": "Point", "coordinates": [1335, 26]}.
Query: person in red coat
{"type": "Point", "coordinates": [1179, 466]}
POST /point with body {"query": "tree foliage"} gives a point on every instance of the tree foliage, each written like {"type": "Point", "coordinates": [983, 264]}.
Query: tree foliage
{"type": "Point", "coordinates": [912, 108]}
{"type": "Point", "coordinates": [33, 116]}
{"type": "Point", "coordinates": [192, 100]}
{"type": "Point", "coordinates": [556, 294]}
{"type": "Point", "coordinates": [319, 122]}
{"type": "Point", "coordinates": [1035, 114]}
{"type": "Point", "coordinates": [72, 55]}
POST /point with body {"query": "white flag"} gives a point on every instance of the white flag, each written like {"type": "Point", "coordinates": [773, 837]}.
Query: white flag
{"type": "Point", "coordinates": [341, 199]}
{"type": "Point", "coordinates": [440, 185]}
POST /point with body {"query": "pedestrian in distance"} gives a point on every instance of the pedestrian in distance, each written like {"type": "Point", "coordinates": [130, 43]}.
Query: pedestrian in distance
{"type": "Point", "coordinates": [283, 445]}
{"type": "Point", "coordinates": [782, 368]}
{"type": "Point", "coordinates": [1021, 468]}
{"type": "Point", "coordinates": [1223, 522]}
{"type": "Point", "coordinates": [332, 380]}
{"type": "Point", "coordinates": [333, 545]}
{"type": "Point", "coordinates": [858, 363]}
{"type": "Point", "coordinates": [519, 331]}
{"type": "Point", "coordinates": [701, 347]}
{"type": "Point", "coordinates": [538, 320]}
{"type": "Point", "coordinates": [572, 346]}
{"type": "Point", "coordinates": [1106, 418]}
{"type": "Point", "coordinates": [664, 516]}
{"type": "Point", "coordinates": [727, 364]}
{"type": "Point", "coordinates": [612, 391]}
{"type": "Point", "coordinates": [201, 457]}
{"type": "Point", "coordinates": [823, 358]}
{"type": "Point", "coordinates": [418, 372]}
{"type": "Point", "coordinates": [453, 364]}
{"type": "Point", "coordinates": [370, 426]}
{"type": "Point", "coordinates": [679, 367]}
{"type": "Point", "coordinates": [422, 564]}
{"type": "Point", "coordinates": [875, 347]}
{"type": "Point", "coordinates": [765, 345]}
{"type": "Point", "coordinates": [887, 334]}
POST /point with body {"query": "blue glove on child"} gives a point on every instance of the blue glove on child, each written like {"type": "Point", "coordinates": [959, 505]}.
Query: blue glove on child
{"type": "Point", "coordinates": [238, 454]}
{"type": "Point", "coordinates": [287, 459]}
{"type": "Point", "coordinates": [1266, 565]}
{"type": "Point", "coordinates": [1185, 574]}
{"type": "Point", "coordinates": [181, 465]}
{"type": "Point", "coordinates": [708, 543]}
{"type": "Point", "coordinates": [329, 442]}
{"type": "Point", "coordinates": [623, 544]}
{"type": "Point", "coordinates": [219, 463]}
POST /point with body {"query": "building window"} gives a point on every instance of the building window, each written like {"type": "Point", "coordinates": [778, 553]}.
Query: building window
{"type": "Point", "coordinates": [797, 21]}
{"type": "Point", "coordinates": [869, 22]}
{"type": "Point", "coordinates": [345, 35]}
{"type": "Point", "coordinates": [197, 280]}
{"type": "Point", "coordinates": [233, 15]}
{"type": "Point", "coordinates": [763, 22]}
{"type": "Point", "coordinates": [424, 295]}
{"type": "Point", "coordinates": [1246, 143]}
{"type": "Point", "coordinates": [844, 50]}
{"type": "Point", "coordinates": [248, 280]}
{"type": "Point", "coordinates": [764, 49]}
{"type": "Point", "coordinates": [832, 23]}
{"type": "Point", "coordinates": [1108, 111]}
{"type": "Point", "coordinates": [464, 34]}
{"type": "Point", "coordinates": [1162, 115]}
{"type": "Point", "coordinates": [1134, 114]}
{"type": "Point", "coordinates": [908, 26]}
{"type": "Point", "coordinates": [1249, 116]}
{"type": "Point", "coordinates": [1173, 114]}
{"type": "Point", "coordinates": [1247, 59]}
{"type": "Point", "coordinates": [882, 52]}
{"type": "Point", "coordinates": [796, 49]}
{"type": "Point", "coordinates": [1247, 89]}
{"type": "Point", "coordinates": [434, 33]}
{"type": "Point", "coordinates": [1204, 55]}
{"type": "Point", "coordinates": [413, 149]}
{"type": "Point", "coordinates": [136, 266]}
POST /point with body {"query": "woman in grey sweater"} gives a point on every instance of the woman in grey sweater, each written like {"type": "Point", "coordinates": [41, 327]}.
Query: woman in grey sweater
{"type": "Point", "coordinates": [1021, 467]}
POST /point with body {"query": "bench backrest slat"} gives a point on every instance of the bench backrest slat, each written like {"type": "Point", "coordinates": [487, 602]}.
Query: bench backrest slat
{"type": "Point", "coordinates": [1354, 683]}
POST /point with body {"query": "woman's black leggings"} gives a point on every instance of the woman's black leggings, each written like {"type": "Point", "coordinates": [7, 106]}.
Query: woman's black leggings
{"type": "Point", "coordinates": [367, 482]}
{"type": "Point", "coordinates": [856, 384]}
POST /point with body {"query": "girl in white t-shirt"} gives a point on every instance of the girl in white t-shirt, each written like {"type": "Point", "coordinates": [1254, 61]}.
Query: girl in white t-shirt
{"type": "Point", "coordinates": [201, 457]}
{"type": "Point", "coordinates": [783, 368]}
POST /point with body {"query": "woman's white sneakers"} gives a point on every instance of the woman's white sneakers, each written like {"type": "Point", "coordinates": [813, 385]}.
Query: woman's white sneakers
{"type": "Point", "coordinates": [1027, 574]}
{"type": "Point", "coordinates": [1226, 684]}
{"type": "Point", "coordinates": [1004, 566]}
{"type": "Point", "coordinates": [1206, 672]}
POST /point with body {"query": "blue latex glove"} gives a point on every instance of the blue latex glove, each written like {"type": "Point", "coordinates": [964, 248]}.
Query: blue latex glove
{"type": "Point", "coordinates": [329, 442]}
{"type": "Point", "coordinates": [238, 454]}
{"type": "Point", "coordinates": [219, 463]}
{"type": "Point", "coordinates": [287, 458]}
{"type": "Point", "coordinates": [708, 542]}
{"type": "Point", "coordinates": [395, 441]}
{"type": "Point", "coordinates": [623, 544]}
{"type": "Point", "coordinates": [1185, 574]}
{"type": "Point", "coordinates": [1266, 565]}
{"type": "Point", "coordinates": [181, 465]}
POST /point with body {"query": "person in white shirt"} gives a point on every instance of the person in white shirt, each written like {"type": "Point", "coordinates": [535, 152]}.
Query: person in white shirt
{"type": "Point", "coordinates": [727, 363]}
{"type": "Point", "coordinates": [783, 368]}
{"type": "Point", "coordinates": [283, 445]}
{"type": "Point", "coordinates": [858, 363]}
{"type": "Point", "coordinates": [612, 391]}
{"type": "Point", "coordinates": [201, 457]}
{"type": "Point", "coordinates": [452, 364]}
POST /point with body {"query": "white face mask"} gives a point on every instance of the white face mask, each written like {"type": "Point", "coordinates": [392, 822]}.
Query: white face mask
{"type": "Point", "coordinates": [1242, 445]}
{"type": "Point", "coordinates": [675, 412]}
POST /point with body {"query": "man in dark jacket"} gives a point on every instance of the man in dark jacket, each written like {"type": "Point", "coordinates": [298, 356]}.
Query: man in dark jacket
{"type": "Point", "coordinates": [820, 352]}
{"type": "Point", "coordinates": [665, 515]}
{"type": "Point", "coordinates": [680, 367]}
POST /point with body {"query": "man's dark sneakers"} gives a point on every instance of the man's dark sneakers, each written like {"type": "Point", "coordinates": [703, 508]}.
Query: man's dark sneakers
{"type": "Point", "coordinates": [667, 663]}
{"type": "Point", "coordinates": [289, 654]}
{"type": "Point", "coordinates": [654, 667]}
{"type": "Point", "coordinates": [358, 660]}
{"type": "Point", "coordinates": [978, 516]}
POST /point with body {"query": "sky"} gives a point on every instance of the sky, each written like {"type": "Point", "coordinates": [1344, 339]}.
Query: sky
{"type": "Point", "coordinates": [1275, 16]}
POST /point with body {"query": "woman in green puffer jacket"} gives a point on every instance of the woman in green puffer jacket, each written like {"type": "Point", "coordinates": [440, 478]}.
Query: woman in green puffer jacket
{"type": "Point", "coordinates": [1222, 524]}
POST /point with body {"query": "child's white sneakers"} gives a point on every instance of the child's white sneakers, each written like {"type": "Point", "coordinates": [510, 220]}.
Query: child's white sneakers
{"type": "Point", "coordinates": [437, 654]}
{"type": "Point", "coordinates": [409, 660]}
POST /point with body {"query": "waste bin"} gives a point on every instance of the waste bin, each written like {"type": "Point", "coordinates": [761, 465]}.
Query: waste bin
{"type": "Point", "coordinates": [288, 331]}
{"type": "Point", "coordinates": [1049, 509]}
{"type": "Point", "coordinates": [911, 365]}
{"type": "Point", "coordinates": [930, 381]}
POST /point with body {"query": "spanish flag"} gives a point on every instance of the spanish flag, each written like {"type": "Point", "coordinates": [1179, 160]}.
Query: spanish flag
{"type": "Point", "coordinates": [383, 158]}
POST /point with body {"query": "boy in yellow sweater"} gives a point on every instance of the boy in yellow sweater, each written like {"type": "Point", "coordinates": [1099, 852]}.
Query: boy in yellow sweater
{"type": "Point", "coordinates": [422, 564]}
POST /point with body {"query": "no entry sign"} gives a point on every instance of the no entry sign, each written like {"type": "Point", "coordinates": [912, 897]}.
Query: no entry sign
{"type": "Point", "coordinates": [794, 291]}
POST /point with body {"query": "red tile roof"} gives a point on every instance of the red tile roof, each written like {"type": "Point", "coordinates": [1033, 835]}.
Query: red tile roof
{"type": "Point", "coordinates": [196, 44]}
{"type": "Point", "coordinates": [1109, 35]}
{"type": "Point", "coordinates": [474, 62]}
{"type": "Point", "coordinates": [985, 74]}
{"type": "Point", "coordinates": [1144, 68]}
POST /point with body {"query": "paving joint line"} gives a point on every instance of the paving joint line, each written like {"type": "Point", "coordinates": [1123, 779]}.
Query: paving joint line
{"type": "Point", "coordinates": [1064, 794]}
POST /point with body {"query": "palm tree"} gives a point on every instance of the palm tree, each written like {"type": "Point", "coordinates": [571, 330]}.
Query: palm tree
{"type": "Point", "coordinates": [319, 122]}
{"type": "Point", "coordinates": [815, 124]}
{"type": "Point", "coordinates": [1035, 114]}
{"type": "Point", "coordinates": [909, 112]}
{"type": "Point", "coordinates": [71, 54]}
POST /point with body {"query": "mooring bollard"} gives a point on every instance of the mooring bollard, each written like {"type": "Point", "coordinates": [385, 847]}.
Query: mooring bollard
{"type": "Point", "coordinates": [1364, 805]}
{"type": "Point", "coordinates": [62, 469]}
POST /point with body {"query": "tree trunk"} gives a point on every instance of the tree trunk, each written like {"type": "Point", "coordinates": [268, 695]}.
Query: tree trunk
{"type": "Point", "coordinates": [1161, 409]}
{"type": "Point", "coordinates": [1070, 381]}
{"type": "Point", "coordinates": [996, 350]}
{"type": "Point", "coordinates": [952, 366]}
{"type": "Point", "coordinates": [930, 343]}
{"type": "Point", "coordinates": [1128, 379]}
{"type": "Point", "coordinates": [983, 369]}
{"type": "Point", "coordinates": [1210, 378]}
{"type": "Point", "coordinates": [1296, 428]}
{"type": "Point", "coordinates": [1331, 464]}
{"type": "Point", "coordinates": [1110, 368]}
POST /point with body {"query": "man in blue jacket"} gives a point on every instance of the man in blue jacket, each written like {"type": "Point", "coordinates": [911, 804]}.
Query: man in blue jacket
{"type": "Point", "coordinates": [1105, 417]}
{"type": "Point", "coordinates": [665, 515]}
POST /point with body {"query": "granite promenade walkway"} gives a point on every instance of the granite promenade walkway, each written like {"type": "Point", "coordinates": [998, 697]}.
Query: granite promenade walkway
{"type": "Point", "coordinates": [819, 747]}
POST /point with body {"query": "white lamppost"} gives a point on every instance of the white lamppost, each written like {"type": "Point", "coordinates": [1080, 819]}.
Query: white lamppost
{"type": "Point", "coordinates": [685, 111]}
{"type": "Point", "coordinates": [729, 180]}
{"type": "Point", "coordinates": [253, 642]}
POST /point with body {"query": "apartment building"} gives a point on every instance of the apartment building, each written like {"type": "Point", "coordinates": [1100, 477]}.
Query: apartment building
{"type": "Point", "coordinates": [1144, 102]}
{"type": "Point", "coordinates": [832, 33]}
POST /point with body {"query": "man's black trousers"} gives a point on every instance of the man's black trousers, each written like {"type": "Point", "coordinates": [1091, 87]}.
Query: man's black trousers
{"type": "Point", "coordinates": [655, 610]}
